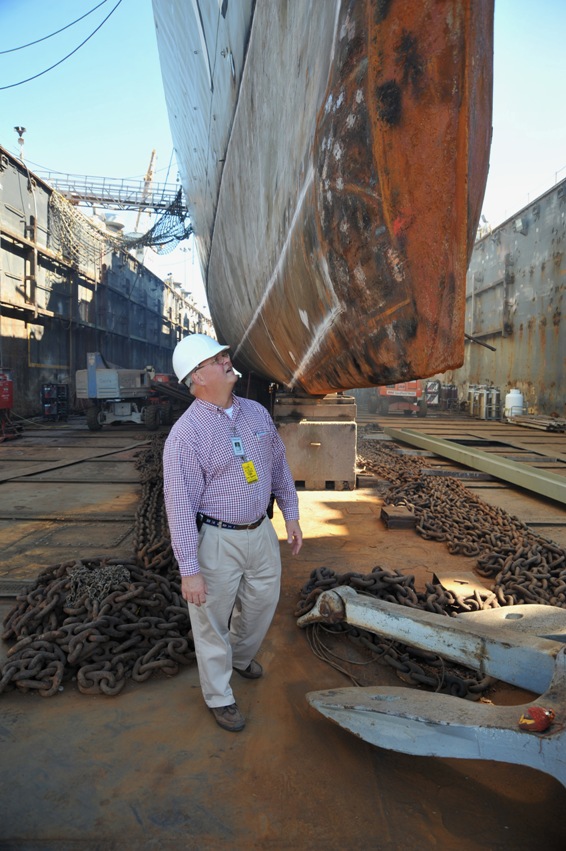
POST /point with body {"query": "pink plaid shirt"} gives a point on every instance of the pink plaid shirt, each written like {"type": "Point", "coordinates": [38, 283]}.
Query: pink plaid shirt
{"type": "Point", "coordinates": [202, 473]}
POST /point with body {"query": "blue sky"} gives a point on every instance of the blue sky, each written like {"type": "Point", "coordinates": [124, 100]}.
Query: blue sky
{"type": "Point", "coordinates": [102, 111]}
{"type": "Point", "coordinates": [528, 151]}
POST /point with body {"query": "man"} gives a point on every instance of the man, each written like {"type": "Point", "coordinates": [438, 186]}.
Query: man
{"type": "Point", "coordinates": [222, 461]}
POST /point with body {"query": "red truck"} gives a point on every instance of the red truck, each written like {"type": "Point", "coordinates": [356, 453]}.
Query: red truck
{"type": "Point", "coordinates": [405, 397]}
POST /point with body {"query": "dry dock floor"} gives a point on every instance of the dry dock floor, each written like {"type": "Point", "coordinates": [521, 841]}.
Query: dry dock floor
{"type": "Point", "coordinates": [149, 769]}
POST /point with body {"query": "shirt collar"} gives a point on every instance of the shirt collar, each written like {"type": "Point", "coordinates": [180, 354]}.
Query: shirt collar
{"type": "Point", "coordinates": [215, 409]}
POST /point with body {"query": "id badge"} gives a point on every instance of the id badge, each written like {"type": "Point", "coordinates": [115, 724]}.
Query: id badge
{"type": "Point", "coordinates": [237, 446]}
{"type": "Point", "coordinates": [250, 472]}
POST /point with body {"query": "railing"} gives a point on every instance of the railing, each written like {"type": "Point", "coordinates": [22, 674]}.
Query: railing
{"type": "Point", "coordinates": [112, 193]}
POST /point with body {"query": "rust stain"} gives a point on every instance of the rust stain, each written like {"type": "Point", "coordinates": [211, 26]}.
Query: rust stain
{"type": "Point", "coordinates": [411, 250]}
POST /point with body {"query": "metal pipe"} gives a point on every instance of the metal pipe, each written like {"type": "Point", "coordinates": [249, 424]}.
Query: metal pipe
{"type": "Point", "coordinates": [479, 342]}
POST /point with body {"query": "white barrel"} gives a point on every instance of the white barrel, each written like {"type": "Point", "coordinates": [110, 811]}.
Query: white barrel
{"type": "Point", "coordinates": [513, 403]}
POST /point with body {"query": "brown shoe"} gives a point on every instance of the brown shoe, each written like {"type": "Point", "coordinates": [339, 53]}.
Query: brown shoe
{"type": "Point", "coordinates": [252, 672]}
{"type": "Point", "coordinates": [229, 717]}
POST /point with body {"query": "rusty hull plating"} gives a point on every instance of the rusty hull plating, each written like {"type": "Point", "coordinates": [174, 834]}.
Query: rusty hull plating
{"type": "Point", "coordinates": [340, 246]}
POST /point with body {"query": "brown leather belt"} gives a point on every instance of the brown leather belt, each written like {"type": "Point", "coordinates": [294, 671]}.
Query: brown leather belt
{"type": "Point", "coordinates": [211, 521]}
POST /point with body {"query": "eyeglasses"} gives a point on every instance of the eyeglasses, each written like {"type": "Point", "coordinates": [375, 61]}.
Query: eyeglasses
{"type": "Point", "coordinates": [217, 359]}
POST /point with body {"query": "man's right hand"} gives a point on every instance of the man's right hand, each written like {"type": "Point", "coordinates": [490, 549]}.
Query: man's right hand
{"type": "Point", "coordinates": [193, 589]}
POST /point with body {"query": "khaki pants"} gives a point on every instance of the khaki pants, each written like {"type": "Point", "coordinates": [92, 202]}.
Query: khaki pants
{"type": "Point", "coordinates": [242, 569]}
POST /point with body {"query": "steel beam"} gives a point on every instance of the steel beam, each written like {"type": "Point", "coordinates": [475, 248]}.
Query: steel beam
{"type": "Point", "coordinates": [542, 482]}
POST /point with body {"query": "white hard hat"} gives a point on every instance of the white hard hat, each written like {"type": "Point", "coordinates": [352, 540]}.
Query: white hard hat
{"type": "Point", "coordinates": [191, 351]}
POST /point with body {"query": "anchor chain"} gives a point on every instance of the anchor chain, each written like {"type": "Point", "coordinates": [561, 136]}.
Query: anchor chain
{"type": "Point", "coordinates": [102, 621]}
{"type": "Point", "coordinates": [152, 539]}
{"type": "Point", "coordinates": [99, 622]}
{"type": "Point", "coordinates": [414, 666]}
{"type": "Point", "coordinates": [525, 567]}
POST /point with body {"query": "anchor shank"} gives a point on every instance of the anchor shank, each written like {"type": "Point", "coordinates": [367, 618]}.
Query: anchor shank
{"type": "Point", "coordinates": [524, 661]}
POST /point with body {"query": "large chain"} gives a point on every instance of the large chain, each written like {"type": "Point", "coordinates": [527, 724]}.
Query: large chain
{"type": "Point", "coordinates": [525, 567]}
{"type": "Point", "coordinates": [419, 667]}
{"type": "Point", "coordinates": [100, 621]}
{"type": "Point", "coordinates": [152, 539]}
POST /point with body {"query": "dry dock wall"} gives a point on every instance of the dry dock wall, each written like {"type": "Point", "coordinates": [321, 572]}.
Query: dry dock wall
{"type": "Point", "coordinates": [67, 289]}
{"type": "Point", "coordinates": [514, 302]}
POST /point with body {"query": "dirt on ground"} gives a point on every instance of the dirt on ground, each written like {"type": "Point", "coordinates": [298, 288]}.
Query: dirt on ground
{"type": "Point", "coordinates": [150, 769]}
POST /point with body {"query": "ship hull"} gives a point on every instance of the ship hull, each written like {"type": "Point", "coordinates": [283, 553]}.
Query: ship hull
{"type": "Point", "coordinates": [339, 231]}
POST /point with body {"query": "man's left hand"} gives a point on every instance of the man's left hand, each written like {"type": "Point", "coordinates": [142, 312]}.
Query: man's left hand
{"type": "Point", "coordinates": [294, 535]}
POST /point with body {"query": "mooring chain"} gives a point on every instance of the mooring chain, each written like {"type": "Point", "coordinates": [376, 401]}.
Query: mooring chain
{"type": "Point", "coordinates": [100, 621]}
{"type": "Point", "coordinates": [97, 621]}
{"type": "Point", "coordinates": [152, 540]}
{"type": "Point", "coordinates": [418, 667]}
{"type": "Point", "coordinates": [524, 566]}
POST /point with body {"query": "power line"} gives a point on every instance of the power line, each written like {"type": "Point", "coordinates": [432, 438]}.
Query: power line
{"type": "Point", "coordinates": [45, 37]}
{"type": "Point", "coordinates": [41, 73]}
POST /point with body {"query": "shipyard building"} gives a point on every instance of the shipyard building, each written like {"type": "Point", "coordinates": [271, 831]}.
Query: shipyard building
{"type": "Point", "coordinates": [70, 287]}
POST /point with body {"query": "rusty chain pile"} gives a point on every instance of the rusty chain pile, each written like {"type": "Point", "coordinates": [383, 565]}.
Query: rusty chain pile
{"type": "Point", "coordinates": [99, 622]}
{"type": "Point", "coordinates": [103, 621]}
{"type": "Point", "coordinates": [525, 567]}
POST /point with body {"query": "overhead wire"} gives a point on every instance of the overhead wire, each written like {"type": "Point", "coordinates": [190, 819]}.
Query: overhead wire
{"type": "Point", "coordinates": [45, 37]}
{"type": "Point", "coordinates": [47, 169]}
{"type": "Point", "coordinates": [60, 62]}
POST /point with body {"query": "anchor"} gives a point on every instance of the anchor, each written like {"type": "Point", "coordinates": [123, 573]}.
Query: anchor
{"type": "Point", "coordinates": [523, 645]}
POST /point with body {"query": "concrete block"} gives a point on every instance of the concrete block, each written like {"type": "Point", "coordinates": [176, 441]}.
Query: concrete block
{"type": "Point", "coordinates": [321, 455]}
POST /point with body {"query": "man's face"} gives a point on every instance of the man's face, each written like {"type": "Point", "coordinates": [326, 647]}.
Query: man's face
{"type": "Point", "coordinates": [217, 372]}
